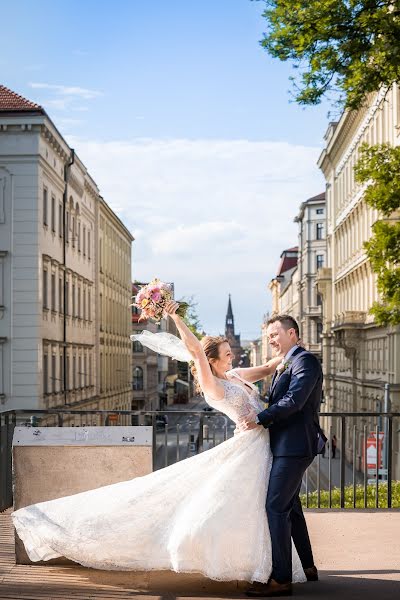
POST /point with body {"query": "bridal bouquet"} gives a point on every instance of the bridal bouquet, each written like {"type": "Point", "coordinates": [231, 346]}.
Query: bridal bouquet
{"type": "Point", "coordinates": [152, 299]}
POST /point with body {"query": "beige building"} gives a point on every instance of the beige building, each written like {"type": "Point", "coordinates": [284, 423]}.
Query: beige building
{"type": "Point", "coordinates": [311, 220]}
{"type": "Point", "coordinates": [114, 297]}
{"type": "Point", "coordinates": [49, 270]}
{"type": "Point", "coordinates": [145, 372]}
{"type": "Point", "coordinates": [284, 286]}
{"type": "Point", "coordinates": [359, 357]}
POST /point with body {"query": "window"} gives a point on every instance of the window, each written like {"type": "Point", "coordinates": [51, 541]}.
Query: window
{"type": "Point", "coordinates": [80, 372]}
{"type": "Point", "coordinates": [66, 298]}
{"type": "Point", "coordinates": [90, 370]}
{"type": "Point", "coordinates": [320, 261]}
{"type": "Point", "coordinates": [79, 302]}
{"type": "Point", "coordinates": [66, 227]}
{"type": "Point", "coordinates": [319, 300]}
{"type": "Point", "coordinates": [60, 220]}
{"type": "Point", "coordinates": [45, 290]}
{"type": "Point", "coordinates": [101, 312]}
{"type": "Point", "coordinates": [53, 292]}
{"type": "Point", "coordinates": [137, 346]}
{"type": "Point", "coordinates": [73, 301]}
{"type": "Point", "coordinates": [67, 370]}
{"type": "Point", "coordinates": [84, 305]}
{"type": "Point", "coordinates": [137, 383]}
{"type": "Point", "coordinates": [88, 245]}
{"type": "Point", "coordinates": [85, 371]}
{"type": "Point", "coordinates": [73, 372]}
{"type": "Point", "coordinates": [79, 236]}
{"type": "Point", "coordinates": [53, 213]}
{"type": "Point", "coordinates": [319, 331]}
{"type": "Point", "coordinates": [319, 211]}
{"type": "Point", "coordinates": [319, 231]}
{"type": "Point", "coordinates": [73, 232]}
{"type": "Point", "coordinates": [89, 306]}
{"type": "Point", "coordinates": [45, 374]}
{"type": "Point", "coordinates": [44, 206]}
{"type": "Point", "coordinates": [60, 294]}
{"type": "Point", "coordinates": [84, 241]}
{"type": "Point", "coordinates": [61, 372]}
{"type": "Point", "coordinates": [53, 373]}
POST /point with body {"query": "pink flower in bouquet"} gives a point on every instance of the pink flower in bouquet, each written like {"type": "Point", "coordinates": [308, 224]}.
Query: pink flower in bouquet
{"type": "Point", "coordinates": [156, 296]}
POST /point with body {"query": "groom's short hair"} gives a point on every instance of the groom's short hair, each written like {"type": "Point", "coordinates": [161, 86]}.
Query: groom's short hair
{"type": "Point", "coordinates": [287, 322]}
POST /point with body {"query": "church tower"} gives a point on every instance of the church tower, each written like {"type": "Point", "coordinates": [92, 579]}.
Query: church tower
{"type": "Point", "coordinates": [229, 321]}
{"type": "Point", "coordinates": [233, 339]}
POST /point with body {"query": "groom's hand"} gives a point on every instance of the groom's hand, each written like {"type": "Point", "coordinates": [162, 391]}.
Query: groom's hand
{"type": "Point", "coordinates": [248, 422]}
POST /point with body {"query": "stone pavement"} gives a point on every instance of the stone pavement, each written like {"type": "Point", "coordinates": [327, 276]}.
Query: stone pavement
{"type": "Point", "coordinates": [357, 553]}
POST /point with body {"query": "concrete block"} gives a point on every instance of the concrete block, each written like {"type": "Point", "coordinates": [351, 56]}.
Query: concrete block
{"type": "Point", "coordinates": [46, 470]}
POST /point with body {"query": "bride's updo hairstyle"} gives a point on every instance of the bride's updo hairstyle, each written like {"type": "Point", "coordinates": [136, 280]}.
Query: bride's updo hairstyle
{"type": "Point", "coordinates": [211, 344]}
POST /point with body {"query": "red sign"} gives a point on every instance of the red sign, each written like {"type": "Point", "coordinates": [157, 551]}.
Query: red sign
{"type": "Point", "coordinates": [374, 452]}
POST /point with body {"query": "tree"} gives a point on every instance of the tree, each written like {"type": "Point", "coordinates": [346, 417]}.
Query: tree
{"type": "Point", "coordinates": [378, 167]}
{"type": "Point", "coordinates": [191, 317]}
{"type": "Point", "coordinates": [347, 47]}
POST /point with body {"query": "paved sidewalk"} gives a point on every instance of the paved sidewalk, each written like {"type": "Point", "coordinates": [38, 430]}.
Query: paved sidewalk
{"type": "Point", "coordinates": [357, 553]}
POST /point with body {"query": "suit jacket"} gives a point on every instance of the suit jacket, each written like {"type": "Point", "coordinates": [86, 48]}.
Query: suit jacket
{"type": "Point", "coordinates": [294, 400]}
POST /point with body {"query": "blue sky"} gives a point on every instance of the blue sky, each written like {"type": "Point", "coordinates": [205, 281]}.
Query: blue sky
{"type": "Point", "coordinates": [186, 124]}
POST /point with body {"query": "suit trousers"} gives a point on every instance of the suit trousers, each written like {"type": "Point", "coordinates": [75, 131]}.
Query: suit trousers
{"type": "Point", "coordinates": [285, 516]}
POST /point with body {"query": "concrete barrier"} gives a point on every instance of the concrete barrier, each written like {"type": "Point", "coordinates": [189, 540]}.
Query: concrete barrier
{"type": "Point", "coordinates": [51, 462]}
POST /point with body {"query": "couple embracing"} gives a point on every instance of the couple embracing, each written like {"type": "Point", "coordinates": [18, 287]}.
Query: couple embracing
{"type": "Point", "coordinates": [230, 513]}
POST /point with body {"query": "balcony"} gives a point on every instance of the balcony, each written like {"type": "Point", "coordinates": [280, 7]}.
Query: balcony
{"type": "Point", "coordinates": [356, 549]}
{"type": "Point", "coordinates": [313, 311]}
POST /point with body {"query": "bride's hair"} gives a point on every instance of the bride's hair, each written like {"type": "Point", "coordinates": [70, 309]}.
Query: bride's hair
{"type": "Point", "coordinates": [211, 344]}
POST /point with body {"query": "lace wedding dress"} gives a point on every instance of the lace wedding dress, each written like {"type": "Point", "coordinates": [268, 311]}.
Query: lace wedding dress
{"type": "Point", "coordinates": [205, 514]}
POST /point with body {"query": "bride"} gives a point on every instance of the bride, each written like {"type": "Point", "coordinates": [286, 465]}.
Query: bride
{"type": "Point", "coordinates": [205, 514]}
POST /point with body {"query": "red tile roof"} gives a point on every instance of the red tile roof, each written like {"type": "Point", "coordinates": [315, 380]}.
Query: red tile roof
{"type": "Point", "coordinates": [11, 102]}
{"type": "Point", "coordinates": [288, 262]}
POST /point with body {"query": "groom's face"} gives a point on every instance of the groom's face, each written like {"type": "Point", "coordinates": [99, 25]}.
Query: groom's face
{"type": "Point", "coordinates": [279, 338]}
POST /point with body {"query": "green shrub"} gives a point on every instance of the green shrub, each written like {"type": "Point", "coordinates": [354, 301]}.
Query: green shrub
{"type": "Point", "coordinates": [348, 495]}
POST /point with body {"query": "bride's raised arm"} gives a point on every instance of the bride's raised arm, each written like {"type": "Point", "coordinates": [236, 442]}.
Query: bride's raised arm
{"type": "Point", "coordinates": [207, 381]}
{"type": "Point", "coordinates": [253, 374]}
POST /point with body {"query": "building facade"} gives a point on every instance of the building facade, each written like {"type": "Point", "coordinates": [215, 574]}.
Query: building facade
{"type": "Point", "coordinates": [284, 286]}
{"type": "Point", "coordinates": [49, 317]}
{"type": "Point", "coordinates": [311, 220]}
{"type": "Point", "coordinates": [144, 363]}
{"type": "Point", "coordinates": [359, 357]}
{"type": "Point", "coordinates": [114, 294]}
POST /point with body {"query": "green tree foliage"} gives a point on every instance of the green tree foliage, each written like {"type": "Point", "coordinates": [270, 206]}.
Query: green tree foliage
{"type": "Point", "coordinates": [191, 317]}
{"type": "Point", "coordinates": [349, 47]}
{"type": "Point", "coordinates": [379, 167]}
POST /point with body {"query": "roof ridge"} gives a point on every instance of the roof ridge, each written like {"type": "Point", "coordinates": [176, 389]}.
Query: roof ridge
{"type": "Point", "coordinates": [10, 101]}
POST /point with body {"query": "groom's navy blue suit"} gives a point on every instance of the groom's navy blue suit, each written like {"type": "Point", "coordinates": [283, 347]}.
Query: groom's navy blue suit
{"type": "Point", "coordinates": [292, 419]}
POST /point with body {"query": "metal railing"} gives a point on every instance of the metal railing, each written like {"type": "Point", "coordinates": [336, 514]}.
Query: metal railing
{"type": "Point", "coordinates": [362, 471]}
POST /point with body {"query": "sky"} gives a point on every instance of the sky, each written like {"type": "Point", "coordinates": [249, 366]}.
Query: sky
{"type": "Point", "coordinates": [188, 128]}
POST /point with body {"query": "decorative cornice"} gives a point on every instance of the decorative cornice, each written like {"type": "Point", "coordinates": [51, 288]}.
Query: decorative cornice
{"type": "Point", "coordinates": [364, 125]}
{"type": "Point", "coordinates": [47, 134]}
{"type": "Point", "coordinates": [74, 182]}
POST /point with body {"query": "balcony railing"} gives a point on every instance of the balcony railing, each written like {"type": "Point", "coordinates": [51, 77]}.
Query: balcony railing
{"type": "Point", "coordinates": [361, 472]}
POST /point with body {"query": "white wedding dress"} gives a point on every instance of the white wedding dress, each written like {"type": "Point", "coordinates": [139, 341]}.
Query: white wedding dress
{"type": "Point", "coordinates": [205, 514]}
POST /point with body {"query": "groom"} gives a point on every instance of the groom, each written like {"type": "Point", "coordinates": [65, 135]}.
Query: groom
{"type": "Point", "coordinates": [292, 420]}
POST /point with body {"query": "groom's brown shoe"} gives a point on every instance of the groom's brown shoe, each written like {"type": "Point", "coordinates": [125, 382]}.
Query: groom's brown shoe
{"type": "Point", "coordinates": [270, 589]}
{"type": "Point", "coordinates": [311, 574]}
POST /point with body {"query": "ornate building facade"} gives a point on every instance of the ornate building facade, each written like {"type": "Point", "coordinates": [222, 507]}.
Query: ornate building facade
{"type": "Point", "coordinates": [359, 357]}
{"type": "Point", "coordinates": [49, 272]}
{"type": "Point", "coordinates": [311, 220]}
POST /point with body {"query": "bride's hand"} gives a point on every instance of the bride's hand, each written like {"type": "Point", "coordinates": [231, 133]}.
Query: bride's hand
{"type": "Point", "coordinates": [274, 362]}
{"type": "Point", "coordinates": [170, 308]}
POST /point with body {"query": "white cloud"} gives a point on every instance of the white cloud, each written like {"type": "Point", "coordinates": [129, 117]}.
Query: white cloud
{"type": "Point", "coordinates": [211, 215]}
{"type": "Point", "coordinates": [65, 90]}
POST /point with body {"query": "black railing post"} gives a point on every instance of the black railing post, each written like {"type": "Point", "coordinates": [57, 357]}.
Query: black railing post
{"type": "Point", "coordinates": [389, 446]}
{"type": "Point", "coordinates": [342, 460]}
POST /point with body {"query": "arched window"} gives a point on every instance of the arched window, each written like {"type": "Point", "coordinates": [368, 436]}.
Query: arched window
{"type": "Point", "coordinates": [137, 382]}
{"type": "Point", "coordinates": [137, 346]}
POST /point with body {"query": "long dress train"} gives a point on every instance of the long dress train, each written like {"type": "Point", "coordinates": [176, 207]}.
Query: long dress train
{"type": "Point", "coordinates": [205, 514]}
